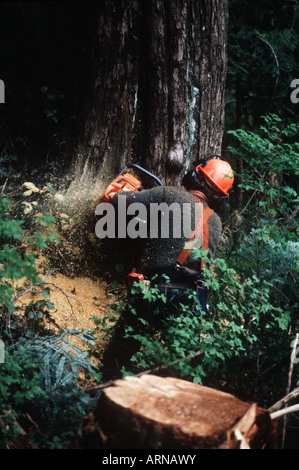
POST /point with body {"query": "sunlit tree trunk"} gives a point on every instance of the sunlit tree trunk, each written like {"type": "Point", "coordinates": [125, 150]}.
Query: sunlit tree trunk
{"type": "Point", "coordinates": [209, 51]}
{"type": "Point", "coordinates": [107, 140]}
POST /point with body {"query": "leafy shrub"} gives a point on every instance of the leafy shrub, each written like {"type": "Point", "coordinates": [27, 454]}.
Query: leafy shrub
{"type": "Point", "coordinates": [172, 339]}
{"type": "Point", "coordinates": [246, 335]}
{"type": "Point", "coordinates": [254, 287]}
{"type": "Point", "coordinates": [14, 264]}
{"type": "Point", "coordinates": [40, 376]}
{"type": "Point", "coordinates": [244, 332]}
{"type": "Point", "coordinates": [270, 176]}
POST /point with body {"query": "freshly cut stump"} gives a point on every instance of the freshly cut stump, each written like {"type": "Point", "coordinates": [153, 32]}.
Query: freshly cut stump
{"type": "Point", "coordinates": [151, 412]}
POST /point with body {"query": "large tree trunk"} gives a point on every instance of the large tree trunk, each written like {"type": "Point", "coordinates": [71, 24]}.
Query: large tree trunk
{"type": "Point", "coordinates": [158, 93]}
{"type": "Point", "coordinates": [209, 75]}
{"type": "Point", "coordinates": [165, 86]}
{"type": "Point", "coordinates": [107, 139]}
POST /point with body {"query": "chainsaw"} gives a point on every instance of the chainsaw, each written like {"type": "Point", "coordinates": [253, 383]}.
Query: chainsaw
{"type": "Point", "coordinates": [127, 182]}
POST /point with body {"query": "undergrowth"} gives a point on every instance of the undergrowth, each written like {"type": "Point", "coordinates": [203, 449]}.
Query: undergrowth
{"type": "Point", "coordinates": [42, 372]}
{"type": "Point", "coordinates": [241, 344]}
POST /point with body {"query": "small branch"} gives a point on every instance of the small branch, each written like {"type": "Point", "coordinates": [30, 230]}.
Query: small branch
{"type": "Point", "coordinates": [150, 371]}
{"type": "Point", "coordinates": [293, 356]}
{"type": "Point", "coordinates": [4, 186]}
{"type": "Point", "coordinates": [277, 68]}
{"type": "Point", "coordinates": [284, 412]}
{"type": "Point", "coordinates": [293, 394]}
{"type": "Point", "coordinates": [67, 297]}
{"type": "Point", "coordinates": [29, 290]}
{"type": "Point", "coordinates": [274, 367]}
{"type": "Point", "coordinates": [281, 293]}
{"type": "Point", "coordinates": [294, 213]}
{"type": "Point", "coordinates": [244, 208]}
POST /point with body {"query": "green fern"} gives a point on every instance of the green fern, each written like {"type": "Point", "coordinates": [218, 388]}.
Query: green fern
{"type": "Point", "coordinates": [59, 402]}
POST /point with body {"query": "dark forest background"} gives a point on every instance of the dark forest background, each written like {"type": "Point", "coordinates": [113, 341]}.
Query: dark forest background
{"type": "Point", "coordinates": [47, 64]}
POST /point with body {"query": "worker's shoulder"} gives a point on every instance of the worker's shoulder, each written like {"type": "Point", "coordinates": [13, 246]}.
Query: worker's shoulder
{"type": "Point", "coordinates": [167, 194]}
{"type": "Point", "coordinates": [172, 194]}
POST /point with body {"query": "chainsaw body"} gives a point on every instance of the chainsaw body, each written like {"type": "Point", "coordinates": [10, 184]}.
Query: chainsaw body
{"type": "Point", "coordinates": [124, 182]}
{"type": "Point", "coordinates": [127, 182]}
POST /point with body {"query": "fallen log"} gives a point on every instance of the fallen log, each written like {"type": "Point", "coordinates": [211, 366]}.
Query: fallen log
{"type": "Point", "coordinates": [152, 412]}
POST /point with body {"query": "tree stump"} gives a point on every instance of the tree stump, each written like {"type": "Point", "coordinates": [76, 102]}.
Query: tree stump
{"type": "Point", "coordinates": [151, 412]}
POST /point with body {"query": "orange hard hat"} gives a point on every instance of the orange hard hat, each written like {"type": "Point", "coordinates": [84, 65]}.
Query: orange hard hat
{"type": "Point", "coordinates": [218, 173]}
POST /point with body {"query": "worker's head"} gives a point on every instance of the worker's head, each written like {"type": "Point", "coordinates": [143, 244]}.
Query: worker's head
{"type": "Point", "coordinates": [213, 176]}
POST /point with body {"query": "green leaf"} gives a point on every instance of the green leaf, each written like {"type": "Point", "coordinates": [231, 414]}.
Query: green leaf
{"type": "Point", "coordinates": [46, 220]}
{"type": "Point", "coordinates": [46, 293]}
{"type": "Point", "coordinates": [40, 241]}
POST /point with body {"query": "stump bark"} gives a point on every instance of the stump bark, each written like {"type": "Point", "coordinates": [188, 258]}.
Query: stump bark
{"type": "Point", "coordinates": [151, 412]}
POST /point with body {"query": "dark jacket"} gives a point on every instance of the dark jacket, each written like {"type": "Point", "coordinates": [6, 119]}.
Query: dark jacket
{"type": "Point", "coordinates": [159, 254]}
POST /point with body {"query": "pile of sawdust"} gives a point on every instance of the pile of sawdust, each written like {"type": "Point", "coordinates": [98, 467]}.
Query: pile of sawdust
{"type": "Point", "coordinates": [75, 302]}
{"type": "Point", "coordinates": [79, 287]}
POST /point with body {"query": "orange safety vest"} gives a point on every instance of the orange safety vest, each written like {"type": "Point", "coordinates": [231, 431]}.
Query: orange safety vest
{"type": "Point", "coordinates": [203, 222]}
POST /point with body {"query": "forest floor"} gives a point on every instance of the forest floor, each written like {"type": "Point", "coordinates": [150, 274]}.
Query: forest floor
{"type": "Point", "coordinates": [77, 271]}
{"type": "Point", "coordinates": [76, 300]}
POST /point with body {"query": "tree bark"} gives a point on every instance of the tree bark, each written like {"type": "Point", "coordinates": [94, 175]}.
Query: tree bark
{"type": "Point", "coordinates": [158, 93]}
{"type": "Point", "coordinates": [209, 53]}
{"type": "Point", "coordinates": [165, 100]}
{"type": "Point", "coordinates": [239, 163]}
{"type": "Point", "coordinates": [107, 138]}
{"type": "Point", "coordinates": [152, 412]}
